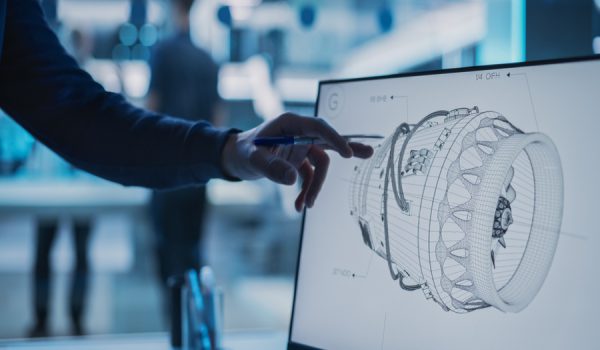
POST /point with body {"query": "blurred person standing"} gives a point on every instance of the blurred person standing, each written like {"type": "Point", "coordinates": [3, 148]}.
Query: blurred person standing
{"type": "Point", "coordinates": [47, 228]}
{"type": "Point", "coordinates": [184, 84]}
{"type": "Point", "coordinates": [46, 232]}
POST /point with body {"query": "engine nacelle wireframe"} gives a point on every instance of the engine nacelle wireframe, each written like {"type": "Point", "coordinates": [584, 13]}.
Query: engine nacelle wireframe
{"type": "Point", "coordinates": [463, 206]}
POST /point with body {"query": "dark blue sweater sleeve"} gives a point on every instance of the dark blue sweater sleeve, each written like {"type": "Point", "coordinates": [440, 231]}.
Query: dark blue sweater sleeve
{"type": "Point", "coordinates": [45, 91]}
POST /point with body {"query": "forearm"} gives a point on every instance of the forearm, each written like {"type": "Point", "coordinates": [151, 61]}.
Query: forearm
{"type": "Point", "coordinates": [46, 92]}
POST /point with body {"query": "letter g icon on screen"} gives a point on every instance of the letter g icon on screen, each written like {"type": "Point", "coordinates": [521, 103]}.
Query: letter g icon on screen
{"type": "Point", "coordinates": [334, 102]}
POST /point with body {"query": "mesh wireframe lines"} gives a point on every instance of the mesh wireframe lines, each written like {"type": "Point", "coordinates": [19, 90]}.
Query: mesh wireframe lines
{"type": "Point", "coordinates": [465, 207]}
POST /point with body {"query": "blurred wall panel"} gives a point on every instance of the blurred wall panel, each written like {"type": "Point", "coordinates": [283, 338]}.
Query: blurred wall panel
{"type": "Point", "coordinates": [559, 28]}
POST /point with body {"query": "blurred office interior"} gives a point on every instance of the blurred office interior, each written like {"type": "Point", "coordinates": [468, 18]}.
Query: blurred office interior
{"type": "Point", "coordinates": [271, 55]}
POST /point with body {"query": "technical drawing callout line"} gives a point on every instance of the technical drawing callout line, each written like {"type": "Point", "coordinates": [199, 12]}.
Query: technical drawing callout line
{"type": "Point", "coordinates": [464, 206]}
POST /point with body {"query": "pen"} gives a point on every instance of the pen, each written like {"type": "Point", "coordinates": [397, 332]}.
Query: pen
{"type": "Point", "coordinates": [302, 140]}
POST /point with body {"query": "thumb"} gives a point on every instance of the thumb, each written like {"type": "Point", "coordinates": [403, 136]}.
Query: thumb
{"type": "Point", "coordinates": [273, 167]}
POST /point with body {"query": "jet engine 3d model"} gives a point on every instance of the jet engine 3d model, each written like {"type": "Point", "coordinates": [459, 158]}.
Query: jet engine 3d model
{"type": "Point", "coordinates": [463, 206]}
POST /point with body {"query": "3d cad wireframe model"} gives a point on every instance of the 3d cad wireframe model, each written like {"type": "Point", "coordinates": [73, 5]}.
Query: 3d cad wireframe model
{"type": "Point", "coordinates": [463, 206]}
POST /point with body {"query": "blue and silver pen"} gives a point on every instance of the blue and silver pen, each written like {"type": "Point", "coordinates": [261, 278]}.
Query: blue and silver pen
{"type": "Point", "coordinates": [302, 140]}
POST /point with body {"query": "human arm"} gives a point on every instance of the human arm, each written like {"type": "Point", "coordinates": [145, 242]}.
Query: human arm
{"type": "Point", "coordinates": [45, 91]}
{"type": "Point", "coordinates": [242, 159]}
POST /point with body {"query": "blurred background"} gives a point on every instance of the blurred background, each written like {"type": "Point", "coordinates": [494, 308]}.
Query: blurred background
{"type": "Point", "coordinates": [79, 255]}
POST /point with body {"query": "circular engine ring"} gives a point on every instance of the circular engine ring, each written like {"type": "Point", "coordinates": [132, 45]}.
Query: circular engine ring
{"type": "Point", "coordinates": [490, 189]}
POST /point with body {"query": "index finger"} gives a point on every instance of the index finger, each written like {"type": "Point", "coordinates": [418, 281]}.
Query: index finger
{"type": "Point", "coordinates": [359, 150]}
{"type": "Point", "coordinates": [296, 125]}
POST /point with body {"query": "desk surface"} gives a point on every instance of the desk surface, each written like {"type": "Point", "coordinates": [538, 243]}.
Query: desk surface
{"type": "Point", "coordinates": [68, 193]}
{"type": "Point", "coordinates": [263, 340]}
{"type": "Point", "coordinates": [52, 197]}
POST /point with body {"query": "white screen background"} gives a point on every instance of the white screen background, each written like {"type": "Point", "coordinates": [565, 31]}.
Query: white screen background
{"type": "Point", "coordinates": [372, 312]}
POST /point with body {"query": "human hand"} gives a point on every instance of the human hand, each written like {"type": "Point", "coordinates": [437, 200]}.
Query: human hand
{"type": "Point", "coordinates": [283, 164]}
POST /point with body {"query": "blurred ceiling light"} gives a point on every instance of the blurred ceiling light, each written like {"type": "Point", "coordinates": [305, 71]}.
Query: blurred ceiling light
{"type": "Point", "coordinates": [297, 88]}
{"type": "Point", "coordinates": [121, 52]}
{"type": "Point", "coordinates": [106, 73]}
{"type": "Point", "coordinates": [101, 12]}
{"type": "Point", "coordinates": [140, 52]}
{"type": "Point", "coordinates": [223, 193]}
{"type": "Point", "coordinates": [252, 80]}
{"type": "Point", "coordinates": [273, 15]}
{"type": "Point", "coordinates": [242, 3]}
{"type": "Point", "coordinates": [136, 78]}
{"type": "Point", "coordinates": [266, 100]}
{"type": "Point", "coordinates": [598, 4]}
{"type": "Point", "coordinates": [239, 10]}
{"type": "Point", "coordinates": [128, 34]}
{"type": "Point", "coordinates": [234, 83]}
{"type": "Point", "coordinates": [111, 12]}
{"type": "Point", "coordinates": [148, 34]}
{"type": "Point", "coordinates": [241, 13]}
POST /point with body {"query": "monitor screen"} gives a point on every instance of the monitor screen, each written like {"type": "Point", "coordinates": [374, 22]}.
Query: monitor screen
{"type": "Point", "coordinates": [473, 226]}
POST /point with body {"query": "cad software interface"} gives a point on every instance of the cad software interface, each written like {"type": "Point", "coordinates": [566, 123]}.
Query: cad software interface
{"type": "Point", "coordinates": [475, 223]}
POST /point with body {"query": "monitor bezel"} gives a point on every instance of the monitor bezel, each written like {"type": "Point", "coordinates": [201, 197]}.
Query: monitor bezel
{"type": "Point", "coordinates": [297, 346]}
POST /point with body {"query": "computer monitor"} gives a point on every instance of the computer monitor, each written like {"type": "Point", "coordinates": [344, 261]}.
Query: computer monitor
{"type": "Point", "coordinates": [475, 223]}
